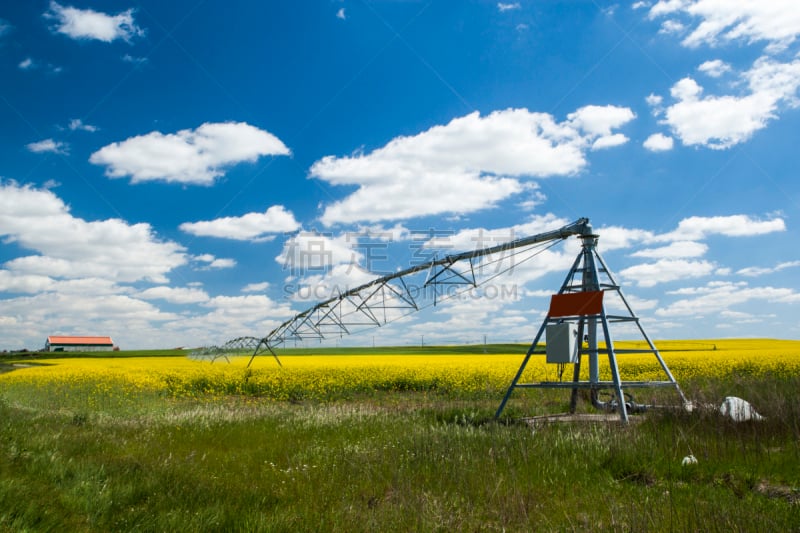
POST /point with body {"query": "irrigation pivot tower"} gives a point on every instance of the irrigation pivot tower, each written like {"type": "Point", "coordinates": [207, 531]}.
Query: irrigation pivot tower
{"type": "Point", "coordinates": [575, 317]}
{"type": "Point", "coordinates": [577, 311]}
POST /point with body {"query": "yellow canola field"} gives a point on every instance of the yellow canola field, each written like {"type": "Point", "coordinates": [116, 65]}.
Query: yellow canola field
{"type": "Point", "coordinates": [98, 380]}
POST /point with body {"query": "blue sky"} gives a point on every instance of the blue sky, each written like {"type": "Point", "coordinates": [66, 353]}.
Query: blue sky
{"type": "Point", "coordinates": [169, 169]}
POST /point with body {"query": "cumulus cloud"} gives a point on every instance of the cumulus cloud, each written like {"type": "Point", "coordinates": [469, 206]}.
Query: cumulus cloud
{"type": "Point", "coordinates": [609, 141]}
{"type": "Point", "coordinates": [256, 287]}
{"type": "Point", "coordinates": [654, 100]}
{"type": "Point", "coordinates": [597, 121]}
{"type": "Point", "coordinates": [69, 247]}
{"type": "Point", "coordinates": [674, 250]}
{"type": "Point", "coordinates": [672, 26]}
{"type": "Point", "coordinates": [666, 270]}
{"type": "Point", "coordinates": [250, 308]}
{"type": "Point", "coordinates": [249, 227]}
{"type": "Point", "coordinates": [89, 24]}
{"type": "Point", "coordinates": [176, 295]}
{"type": "Point", "coordinates": [696, 228]}
{"type": "Point", "coordinates": [469, 164]}
{"type": "Point", "coordinates": [714, 68]}
{"type": "Point", "coordinates": [718, 296]}
{"type": "Point", "coordinates": [312, 251]}
{"type": "Point", "coordinates": [676, 260]}
{"type": "Point", "coordinates": [658, 142]}
{"type": "Point", "coordinates": [26, 64]}
{"type": "Point", "coordinates": [777, 22]}
{"type": "Point", "coordinates": [48, 145]}
{"type": "Point", "coordinates": [723, 121]}
{"type": "Point", "coordinates": [196, 156]}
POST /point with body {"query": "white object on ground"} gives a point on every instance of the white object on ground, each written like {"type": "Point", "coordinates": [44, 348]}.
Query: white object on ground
{"type": "Point", "coordinates": [738, 410]}
{"type": "Point", "coordinates": [689, 460]}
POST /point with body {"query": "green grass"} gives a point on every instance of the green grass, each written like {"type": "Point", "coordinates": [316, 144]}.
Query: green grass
{"type": "Point", "coordinates": [397, 462]}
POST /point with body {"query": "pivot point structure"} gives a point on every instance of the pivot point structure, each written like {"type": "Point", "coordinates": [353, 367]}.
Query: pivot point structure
{"type": "Point", "coordinates": [576, 319]}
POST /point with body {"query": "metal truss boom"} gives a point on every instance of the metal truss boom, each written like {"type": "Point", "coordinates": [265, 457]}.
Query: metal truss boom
{"type": "Point", "coordinates": [374, 303]}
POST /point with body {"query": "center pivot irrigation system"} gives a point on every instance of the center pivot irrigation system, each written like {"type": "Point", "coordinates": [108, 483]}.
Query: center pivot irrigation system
{"type": "Point", "coordinates": [576, 316]}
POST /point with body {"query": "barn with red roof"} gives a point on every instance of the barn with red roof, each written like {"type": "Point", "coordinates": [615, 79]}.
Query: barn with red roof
{"type": "Point", "coordinates": [71, 343]}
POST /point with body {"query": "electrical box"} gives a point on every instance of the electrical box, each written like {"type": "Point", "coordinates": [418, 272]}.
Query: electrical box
{"type": "Point", "coordinates": [562, 343]}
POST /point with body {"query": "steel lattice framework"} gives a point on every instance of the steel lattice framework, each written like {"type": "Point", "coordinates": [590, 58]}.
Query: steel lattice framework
{"type": "Point", "coordinates": [579, 302]}
{"type": "Point", "coordinates": [382, 300]}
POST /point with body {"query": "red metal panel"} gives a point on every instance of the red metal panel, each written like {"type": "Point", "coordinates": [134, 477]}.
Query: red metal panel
{"type": "Point", "coordinates": [576, 303]}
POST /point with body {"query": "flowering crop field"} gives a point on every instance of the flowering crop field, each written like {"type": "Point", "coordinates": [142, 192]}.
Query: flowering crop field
{"type": "Point", "coordinates": [378, 440]}
{"type": "Point", "coordinates": [98, 382]}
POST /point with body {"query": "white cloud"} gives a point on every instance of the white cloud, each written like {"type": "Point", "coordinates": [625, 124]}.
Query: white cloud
{"type": "Point", "coordinates": [503, 7]}
{"type": "Point", "coordinates": [134, 59]}
{"type": "Point", "coordinates": [15, 282]}
{"type": "Point", "coordinates": [714, 68]}
{"type": "Point", "coordinates": [249, 227]}
{"type": "Point", "coordinates": [77, 124]}
{"type": "Point", "coordinates": [71, 247]}
{"type": "Point", "coordinates": [176, 295]}
{"type": "Point", "coordinates": [609, 141]}
{"type": "Point", "coordinates": [716, 297]}
{"type": "Point", "coordinates": [672, 26]}
{"type": "Point", "coordinates": [329, 284]}
{"type": "Point", "coordinates": [30, 64]}
{"type": "Point", "coordinates": [311, 251]}
{"type": "Point", "coordinates": [396, 233]}
{"type": "Point", "coordinates": [595, 120]}
{"type": "Point", "coordinates": [671, 263]}
{"type": "Point", "coordinates": [256, 287]}
{"type": "Point", "coordinates": [48, 145]}
{"type": "Point", "coordinates": [761, 271]}
{"type": "Point", "coordinates": [720, 22]}
{"type": "Point", "coordinates": [675, 249]}
{"type": "Point", "coordinates": [654, 100]}
{"type": "Point", "coordinates": [222, 262]}
{"type": "Point", "coordinates": [189, 156]}
{"type": "Point", "coordinates": [235, 310]}
{"type": "Point", "coordinates": [666, 270]}
{"type": "Point", "coordinates": [210, 261]}
{"type": "Point", "coordinates": [88, 24]}
{"type": "Point", "coordinates": [658, 142]}
{"type": "Point", "coordinates": [469, 164]}
{"type": "Point", "coordinates": [615, 237]}
{"type": "Point", "coordinates": [697, 228]}
{"type": "Point", "coordinates": [722, 121]}
{"type": "Point", "coordinates": [340, 14]}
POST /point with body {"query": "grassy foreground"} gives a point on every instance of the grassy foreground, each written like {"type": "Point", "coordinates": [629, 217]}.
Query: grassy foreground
{"type": "Point", "coordinates": [135, 448]}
